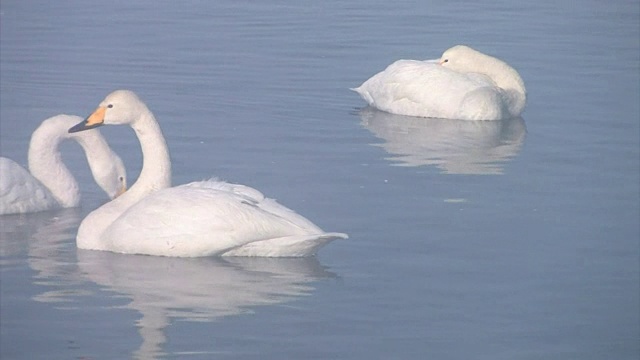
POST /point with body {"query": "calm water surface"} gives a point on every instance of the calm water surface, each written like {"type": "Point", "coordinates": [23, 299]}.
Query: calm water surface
{"type": "Point", "coordinates": [516, 239]}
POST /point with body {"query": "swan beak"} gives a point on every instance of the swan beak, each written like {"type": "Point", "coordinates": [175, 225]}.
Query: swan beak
{"type": "Point", "coordinates": [122, 190]}
{"type": "Point", "coordinates": [94, 120]}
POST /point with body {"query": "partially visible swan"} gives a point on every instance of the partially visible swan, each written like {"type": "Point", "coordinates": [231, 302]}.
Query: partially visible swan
{"type": "Point", "coordinates": [463, 84]}
{"type": "Point", "coordinates": [49, 184]}
{"type": "Point", "coordinates": [198, 219]}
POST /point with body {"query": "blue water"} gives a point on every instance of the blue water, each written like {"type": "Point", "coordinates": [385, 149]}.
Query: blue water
{"type": "Point", "coordinates": [517, 239]}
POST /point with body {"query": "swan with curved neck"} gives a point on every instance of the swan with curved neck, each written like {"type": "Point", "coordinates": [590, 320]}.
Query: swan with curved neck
{"type": "Point", "coordinates": [49, 184]}
{"type": "Point", "coordinates": [463, 84]}
{"type": "Point", "coordinates": [205, 218]}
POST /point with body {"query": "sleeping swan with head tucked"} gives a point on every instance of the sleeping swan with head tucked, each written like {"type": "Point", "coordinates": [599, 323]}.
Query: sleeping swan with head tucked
{"type": "Point", "coordinates": [49, 184]}
{"type": "Point", "coordinates": [205, 218]}
{"type": "Point", "coordinates": [463, 84]}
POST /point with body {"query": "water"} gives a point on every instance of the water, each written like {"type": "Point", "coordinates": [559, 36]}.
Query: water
{"type": "Point", "coordinates": [503, 240]}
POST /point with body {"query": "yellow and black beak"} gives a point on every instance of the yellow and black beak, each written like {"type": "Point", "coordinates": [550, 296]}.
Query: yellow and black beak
{"type": "Point", "coordinates": [94, 120]}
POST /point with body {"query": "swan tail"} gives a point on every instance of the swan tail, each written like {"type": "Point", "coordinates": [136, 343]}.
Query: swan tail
{"type": "Point", "coordinates": [288, 246]}
{"type": "Point", "coordinates": [364, 94]}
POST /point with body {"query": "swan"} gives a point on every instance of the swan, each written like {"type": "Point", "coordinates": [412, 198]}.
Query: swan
{"type": "Point", "coordinates": [49, 184]}
{"type": "Point", "coordinates": [463, 84]}
{"type": "Point", "coordinates": [205, 218]}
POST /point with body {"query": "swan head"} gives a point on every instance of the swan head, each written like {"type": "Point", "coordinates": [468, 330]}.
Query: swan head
{"type": "Point", "coordinates": [462, 58]}
{"type": "Point", "coordinates": [112, 178]}
{"type": "Point", "coordinates": [118, 108]}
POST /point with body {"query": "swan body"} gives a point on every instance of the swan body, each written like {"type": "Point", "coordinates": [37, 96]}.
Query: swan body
{"type": "Point", "coordinates": [463, 84]}
{"type": "Point", "coordinates": [205, 218]}
{"type": "Point", "coordinates": [49, 184]}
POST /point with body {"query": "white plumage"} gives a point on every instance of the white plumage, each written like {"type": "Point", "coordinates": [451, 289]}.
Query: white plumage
{"type": "Point", "coordinates": [49, 184]}
{"type": "Point", "coordinates": [463, 84]}
{"type": "Point", "coordinates": [203, 218]}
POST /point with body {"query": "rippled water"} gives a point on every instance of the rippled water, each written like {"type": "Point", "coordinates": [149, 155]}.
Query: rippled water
{"type": "Point", "coordinates": [484, 240]}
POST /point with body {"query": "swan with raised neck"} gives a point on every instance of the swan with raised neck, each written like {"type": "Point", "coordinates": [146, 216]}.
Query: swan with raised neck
{"type": "Point", "coordinates": [198, 219]}
{"type": "Point", "coordinates": [124, 107]}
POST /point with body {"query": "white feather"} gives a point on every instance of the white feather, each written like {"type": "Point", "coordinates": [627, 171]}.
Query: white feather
{"type": "Point", "coordinates": [464, 84]}
{"type": "Point", "coordinates": [202, 218]}
{"type": "Point", "coordinates": [49, 184]}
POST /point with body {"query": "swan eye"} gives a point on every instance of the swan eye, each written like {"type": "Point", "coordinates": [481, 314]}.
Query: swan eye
{"type": "Point", "coordinates": [110, 106]}
{"type": "Point", "coordinates": [121, 178]}
{"type": "Point", "coordinates": [445, 60]}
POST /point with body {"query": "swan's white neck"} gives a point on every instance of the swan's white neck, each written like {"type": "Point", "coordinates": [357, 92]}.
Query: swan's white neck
{"type": "Point", "coordinates": [45, 164]}
{"type": "Point", "coordinates": [155, 175]}
{"type": "Point", "coordinates": [156, 165]}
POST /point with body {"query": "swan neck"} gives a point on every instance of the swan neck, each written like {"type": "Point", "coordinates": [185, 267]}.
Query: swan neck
{"type": "Point", "coordinates": [156, 163]}
{"type": "Point", "coordinates": [95, 147]}
{"type": "Point", "coordinates": [155, 175]}
{"type": "Point", "coordinates": [46, 165]}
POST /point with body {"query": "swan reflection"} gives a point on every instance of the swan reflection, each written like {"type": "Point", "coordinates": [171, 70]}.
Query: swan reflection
{"type": "Point", "coordinates": [161, 289]}
{"type": "Point", "coordinates": [196, 289]}
{"type": "Point", "coordinates": [45, 240]}
{"type": "Point", "coordinates": [454, 146]}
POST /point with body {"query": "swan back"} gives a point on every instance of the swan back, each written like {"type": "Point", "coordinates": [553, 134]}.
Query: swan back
{"type": "Point", "coordinates": [463, 84]}
{"type": "Point", "coordinates": [211, 218]}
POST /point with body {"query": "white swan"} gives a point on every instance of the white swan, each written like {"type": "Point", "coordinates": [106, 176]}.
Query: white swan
{"type": "Point", "coordinates": [48, 184]}
{"type": "Point", "coordinates": [198, 219]}
{"type": "Point", "coordinates": [463, 84]}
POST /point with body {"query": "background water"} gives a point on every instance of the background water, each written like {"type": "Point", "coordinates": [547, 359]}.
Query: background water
{"type": "Point", "coordinates": [501, 240]}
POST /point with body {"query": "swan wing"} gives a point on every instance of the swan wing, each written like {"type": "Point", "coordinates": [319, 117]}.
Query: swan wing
{"type": "Point", "coordinates": [256, 198]}
{"type": "Point", "coordinates": [412, 87]}
{"type": "Point", "coordinates": [422, 88]}
{"type": "Point", "coordinates": [198, 219]}
{"type": "Point", "coordinates": [287, 246]}
{"type": "Point", "coordinates": [20, 192]}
